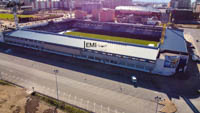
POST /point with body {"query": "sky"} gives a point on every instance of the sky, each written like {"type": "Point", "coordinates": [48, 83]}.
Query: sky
{"type": "Point", "coordinates": [166, 1]}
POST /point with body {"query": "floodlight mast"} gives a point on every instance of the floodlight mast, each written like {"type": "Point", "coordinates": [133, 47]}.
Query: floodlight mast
{"type": "Point", "coordinates": [15, 16]}
{"type": "Point", "coordinates": [14, 5]}
{"type": "Point", "coordinates": [70, 8]}
{"type": "Point", "coordinates": [99, 12]}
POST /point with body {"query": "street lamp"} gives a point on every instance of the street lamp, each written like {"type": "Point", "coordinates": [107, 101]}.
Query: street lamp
{"type": "Point", "coordinates": [157, 99]}
{"type": "Point", "coordinates": [56, 71]}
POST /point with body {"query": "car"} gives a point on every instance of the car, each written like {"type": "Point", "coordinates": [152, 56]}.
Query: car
{"type": "Point", "coordinates": [134, 80]}
{"type": "Point", "coordinates": [195, 58]}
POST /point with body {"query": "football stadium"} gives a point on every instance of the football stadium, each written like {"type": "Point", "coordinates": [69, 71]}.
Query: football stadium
{"type": "Point", "coordinates": [139, 47]}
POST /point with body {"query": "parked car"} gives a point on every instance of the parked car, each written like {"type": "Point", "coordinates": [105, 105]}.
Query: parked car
{"type": "Point", "coordinates": [134, 80]}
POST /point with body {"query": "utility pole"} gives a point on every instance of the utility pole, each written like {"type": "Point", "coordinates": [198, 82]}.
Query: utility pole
{"type": "Point", "coordinates": [14, 5]}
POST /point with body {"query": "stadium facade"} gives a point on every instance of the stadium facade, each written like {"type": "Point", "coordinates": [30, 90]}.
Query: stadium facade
{"type": "Point", "coordinates": [166, 59]}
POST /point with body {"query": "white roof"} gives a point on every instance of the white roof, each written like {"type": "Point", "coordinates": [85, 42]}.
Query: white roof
{"type": "Point", "coordinates": [103, 46]}
{"type": "Point", "coordinates": [137, 8]}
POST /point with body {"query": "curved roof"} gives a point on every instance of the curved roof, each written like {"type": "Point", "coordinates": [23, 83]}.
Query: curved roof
{"type": "Point", "coordinates": [137, 8]}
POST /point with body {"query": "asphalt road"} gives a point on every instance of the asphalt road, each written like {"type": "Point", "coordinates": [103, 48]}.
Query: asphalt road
{"type": "Point", "coordinates": [90, 89]}
{"type": "Point", "coordinates": [195, 33]}
{"type": "Point", "coordinates": [100, 96]}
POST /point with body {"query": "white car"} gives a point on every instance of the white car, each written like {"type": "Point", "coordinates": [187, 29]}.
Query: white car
{"type": "Point", "coordinates": [133, 79]}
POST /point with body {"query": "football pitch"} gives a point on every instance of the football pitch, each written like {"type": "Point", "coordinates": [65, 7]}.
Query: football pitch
{"type": "Point", "coordinates": [5, 16]}
{"type": "Point", "coordinates": [113, 38]}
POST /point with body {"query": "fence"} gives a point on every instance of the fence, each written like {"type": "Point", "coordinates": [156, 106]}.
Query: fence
{"type": "Point", "coordinates": [66, 97]}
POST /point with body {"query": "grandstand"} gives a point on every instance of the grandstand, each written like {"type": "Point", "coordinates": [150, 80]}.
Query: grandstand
{"type": "Point", "coordinates": [166, 59]}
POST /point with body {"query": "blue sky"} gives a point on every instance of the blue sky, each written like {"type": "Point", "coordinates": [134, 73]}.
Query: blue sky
{"type": "Point", "coordinates": [156, 0]}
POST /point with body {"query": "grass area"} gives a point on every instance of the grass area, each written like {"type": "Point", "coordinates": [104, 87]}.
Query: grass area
{"type": "Point", "coordinates": [5, 16]}
{"type": "Point", "coordinates": [113, 38]}
{"type": "Point", "coordinates": [61, 105]}
{"type": "Point", "coordinates": [3, 83]}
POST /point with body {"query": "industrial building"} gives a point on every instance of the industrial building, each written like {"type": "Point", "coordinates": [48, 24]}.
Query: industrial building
{"type": "Point", "coordinates": [104, 15]}
{"type": "Point", "coordinates": [136, 14]}
{"type": "Point", "coordinates": [50, 4]}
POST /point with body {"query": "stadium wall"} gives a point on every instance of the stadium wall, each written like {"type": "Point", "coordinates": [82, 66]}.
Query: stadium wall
{"type": "Point", "coordinates": [1, 37]}
{"type": "Point", "coordinates": [91, 55]}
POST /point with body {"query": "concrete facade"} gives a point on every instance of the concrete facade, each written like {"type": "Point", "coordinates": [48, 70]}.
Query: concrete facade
{"type": "Point", "coordinates": [180, 4]}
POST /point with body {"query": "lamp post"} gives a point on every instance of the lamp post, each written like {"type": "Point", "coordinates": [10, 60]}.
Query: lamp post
{"type": "Point", "coordinates": [157, 99]}
{"type": "Point", "coordinates": [56, 71]}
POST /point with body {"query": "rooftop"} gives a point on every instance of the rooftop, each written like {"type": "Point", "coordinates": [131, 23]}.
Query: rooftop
{"type": "Point", "coordinates": [130, 50]}
{"type": "Point", "coordinates": [174, 41]}
{"type": "Point", "coordinates": [137, 8]}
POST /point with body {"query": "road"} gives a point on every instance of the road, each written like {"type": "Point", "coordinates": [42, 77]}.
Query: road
{"type": "Point", "coordinates": [194, 33]}
{"type": "Point", "coordinates": [100, 96]}
{"type": "Point", "coordinates": [94, 90]}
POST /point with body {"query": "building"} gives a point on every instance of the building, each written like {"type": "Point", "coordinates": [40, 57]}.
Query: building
{"type": "Point", "coordinates": [27, 2]}
{"type": "Point", "coordinates": [180, 4]}
{"type": "Point", "coordinates": [104, 15]}
{"type": "Point", "coordinates": [136, 14]}
{"type": "Point", "coordinates": [79, 14]}
{"type": "Point", "coordinates": [197, 8]}
{"type": "Point", "coordinates": [114, 3]}
{"type": "Point", "coordinates": [138, 10]}
{"type": "Point", "coordinates": [50, 4]}
{"type": "Point", "coordinates": [89, 7]}
{"type": "Point", "coordinates": [166, 59]}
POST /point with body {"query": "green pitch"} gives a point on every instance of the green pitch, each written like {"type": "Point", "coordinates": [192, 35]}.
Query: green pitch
{"type": "Point", "coordinates": [5, 16]}
{"type": "Point", "coordinates": [113, 38]}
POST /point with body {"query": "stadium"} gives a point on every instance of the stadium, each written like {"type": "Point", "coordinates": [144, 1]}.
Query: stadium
{"type": "Point", "coordinates": [106, 43]}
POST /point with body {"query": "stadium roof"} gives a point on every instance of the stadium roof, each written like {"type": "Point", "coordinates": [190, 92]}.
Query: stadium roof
{"type": "Point", "coordinates": [119, 48]}
{"type": "Point", "coordinates": [137, 8]}
{"type": "Point", "coordinates": [174, 42]}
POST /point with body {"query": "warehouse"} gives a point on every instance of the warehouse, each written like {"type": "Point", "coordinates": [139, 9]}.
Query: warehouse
{"type": "Point", "coordinates": [131, 56]}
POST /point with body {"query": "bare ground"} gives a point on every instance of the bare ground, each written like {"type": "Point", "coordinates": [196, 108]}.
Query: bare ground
{"type": "Point", "coordinates": [16, 100]}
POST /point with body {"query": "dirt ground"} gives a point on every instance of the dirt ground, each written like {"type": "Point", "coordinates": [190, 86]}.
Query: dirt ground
{"type": "Point", "coordinates": [16, 100]}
